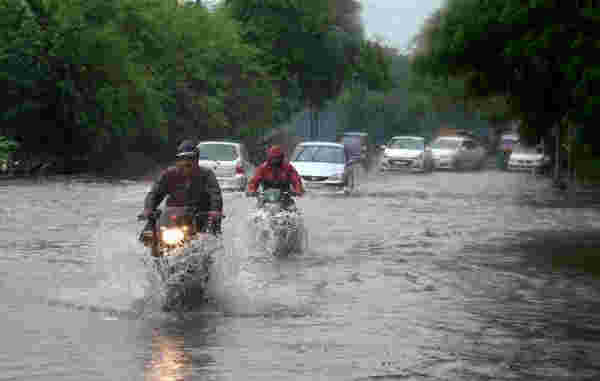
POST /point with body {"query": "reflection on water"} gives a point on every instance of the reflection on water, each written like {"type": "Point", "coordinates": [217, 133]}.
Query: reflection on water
{"type": "Point", "coordinates": [169, 361]}
{"type": "Point", "coordinates": [178, 349]}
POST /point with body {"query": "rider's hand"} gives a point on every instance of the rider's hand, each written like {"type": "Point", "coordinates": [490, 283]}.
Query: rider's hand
{"type": "Point", "coordinates": [146, 213]}
{"type": "Point", "coordinates": [214, 215]}
{"type": "Point", "coordinates": [213, 220]}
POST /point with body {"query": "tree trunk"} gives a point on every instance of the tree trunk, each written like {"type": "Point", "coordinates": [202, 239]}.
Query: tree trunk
{"type": "Point", "coordinates": [556, 152]}
{"type": "Point", "coordinates": [571, 159]}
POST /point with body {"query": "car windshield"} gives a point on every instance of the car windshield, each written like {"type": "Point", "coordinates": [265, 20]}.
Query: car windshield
{"type": "Point", "coordinates": [446, 144]}
{"type": "Point", "coordinates": [519, 148]}
{"type": "Point", "coordinates": [217, 152]}
{"type": "Point", "coordinates": [319, 154]}
{"type": "Point", "coordinates": [416, 144]}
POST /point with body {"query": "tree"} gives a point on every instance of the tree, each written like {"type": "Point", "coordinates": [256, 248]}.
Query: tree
{"type": "Point", "coordinates": [406, 103]}
{"type": "Point", "coordinates": [308, 45]}
{"type": "Point", "coordinates": [6, 147]}
{"type": "Point", "coordinates": [103, 77]}
{"type": "Point", "coordinates": [539, 55]}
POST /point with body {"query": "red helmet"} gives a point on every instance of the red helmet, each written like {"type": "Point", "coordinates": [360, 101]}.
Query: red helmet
{"type": "Point", "coordinates": [274, 152]}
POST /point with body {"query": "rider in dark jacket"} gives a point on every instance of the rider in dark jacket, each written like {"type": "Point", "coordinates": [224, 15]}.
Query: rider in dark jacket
{"type": "Point", "coordinates": [276, 172]}
{"type": "Point", "coordinates": [188, 184]}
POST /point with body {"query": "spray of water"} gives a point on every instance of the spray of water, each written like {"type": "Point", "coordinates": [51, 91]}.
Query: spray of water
{"type": "Point", "coordinates": [122, 279]}
{"type": "Point", "coordinates": [280, 234]}
{"type": "Point", "coordinates": [242, 278]}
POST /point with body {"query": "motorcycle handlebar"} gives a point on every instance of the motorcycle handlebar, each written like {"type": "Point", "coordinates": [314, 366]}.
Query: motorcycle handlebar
{"type": "Point", "coordinates": [154, 215]}
{"type": "Point", "coordinates": [289, 193]}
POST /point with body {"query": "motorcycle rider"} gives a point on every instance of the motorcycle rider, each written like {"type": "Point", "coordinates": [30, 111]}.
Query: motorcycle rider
{"type": "Point", "coordinates": [187, 184]}
{"type": "Point", "coordinates": [278, 173]}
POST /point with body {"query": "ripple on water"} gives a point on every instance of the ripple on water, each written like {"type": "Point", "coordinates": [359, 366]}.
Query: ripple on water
{"type": "Point", "coordinates": [436, 277]}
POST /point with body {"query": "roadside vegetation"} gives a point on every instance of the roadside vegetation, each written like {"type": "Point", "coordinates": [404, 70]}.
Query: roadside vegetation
{"type": "Point", "coordinates": [533, 61]}
{"type": "Point", "coordinates": [94, 80]}
{"type": "Point", "coordinates": [7, 146]}
{"type": "Point", "coordinates": [583, 259]}
{"type": "Point", "coordinates": [410, 103]}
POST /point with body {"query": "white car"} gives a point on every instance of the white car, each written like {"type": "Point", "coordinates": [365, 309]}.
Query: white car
{"type": "Point", "coordinates": [407, 153]}
{"type": "Point", "coordinates": [525, 158]}
{"type": "Point", "coordinates": [228, 160]}
{"type": "Point", "coordinates": [322, 164]}
{"type": "Point", "coordinates": [457, 152]}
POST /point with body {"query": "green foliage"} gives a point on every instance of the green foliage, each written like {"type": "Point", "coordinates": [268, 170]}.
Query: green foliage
{"type": "Point", "coordinates": [373, 67]}
{"type": "Point", "coordinates": [99, 77]}
{"type": "Point", "coordinates": [6, 146]}
{"type": "Point", "coordinates": [309, 46]}
{"type": "Point", "coordinates": [539, 55]}
{"type": "Point", "coordinates": [408, 104]}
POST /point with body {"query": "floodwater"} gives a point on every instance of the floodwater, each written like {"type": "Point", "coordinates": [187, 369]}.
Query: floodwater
{"type": "Point", "coordinates": [442, 276]}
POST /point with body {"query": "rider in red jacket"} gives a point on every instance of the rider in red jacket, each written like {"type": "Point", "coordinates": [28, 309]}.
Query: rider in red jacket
{"type": "Point", "coordinates": [276, 172]}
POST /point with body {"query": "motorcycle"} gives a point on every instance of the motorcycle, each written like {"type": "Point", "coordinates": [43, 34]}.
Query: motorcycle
{"type": "Point", "coordinates": [278, 224]}
{"type": "Point", "coordinates": [181, 245]}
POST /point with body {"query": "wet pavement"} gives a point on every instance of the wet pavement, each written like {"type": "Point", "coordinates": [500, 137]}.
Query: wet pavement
{"type": "Point", "coordinates": [443, 276]}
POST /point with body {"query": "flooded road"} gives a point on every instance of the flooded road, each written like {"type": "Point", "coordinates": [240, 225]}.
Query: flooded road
{"type": "Point", "coordinates": [415, 277]}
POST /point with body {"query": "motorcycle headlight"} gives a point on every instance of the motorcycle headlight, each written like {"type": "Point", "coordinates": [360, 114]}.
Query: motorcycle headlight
{"type": "Point", "coordinates": [172, 236]}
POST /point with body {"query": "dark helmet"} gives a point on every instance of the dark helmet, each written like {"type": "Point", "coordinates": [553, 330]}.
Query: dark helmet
{"type": "Point", "coordinates": [187, 150]}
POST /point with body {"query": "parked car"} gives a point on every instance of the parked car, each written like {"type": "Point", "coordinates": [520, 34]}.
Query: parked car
{"type": "Point", "coordinates": [229, 161]}
{"type": "Point", "coordinates": [458, 152]}
{"type": "Point", "coordinates": [527, 158]}
{"type": "Point", "coordinates": [322, 164]}
{"type": "Point", "coordinates": [407, 153]}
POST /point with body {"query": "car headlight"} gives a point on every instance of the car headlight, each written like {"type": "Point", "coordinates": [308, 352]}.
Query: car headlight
{"type": "Point", "coordinates": [172, 236]}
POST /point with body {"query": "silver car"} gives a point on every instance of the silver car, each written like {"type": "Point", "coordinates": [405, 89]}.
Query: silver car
{"type": "Point", "coordinates": [524, 158]}
{"type": "Point", "coordinates": [322, 164]}
{"type": "Point", "coordinates": [229, 161]}
{"type": "Point", "coordinates": [458, 152]}
{"type": "Point", "coordinates": [406, 153]}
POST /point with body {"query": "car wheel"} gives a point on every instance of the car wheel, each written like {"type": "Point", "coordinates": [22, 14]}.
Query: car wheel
{"type": "Point", "coordinates": [481, 165]}
{"type": "Point", "coordinates": [430, 167]}
{"type": "Point", "coordinates": [458, 166]}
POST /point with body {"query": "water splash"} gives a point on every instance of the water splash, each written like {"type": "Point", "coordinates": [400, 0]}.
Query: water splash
{"type": "Point", "coordinates": [119, 279]}
{"type": "Point", "coordinates": [242, 279]}
{"type": "Point", "coordinates": [279, 234]}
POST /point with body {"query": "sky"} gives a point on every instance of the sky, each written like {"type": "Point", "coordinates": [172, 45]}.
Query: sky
{"type": "Point", "coordinates": [396, 21]}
